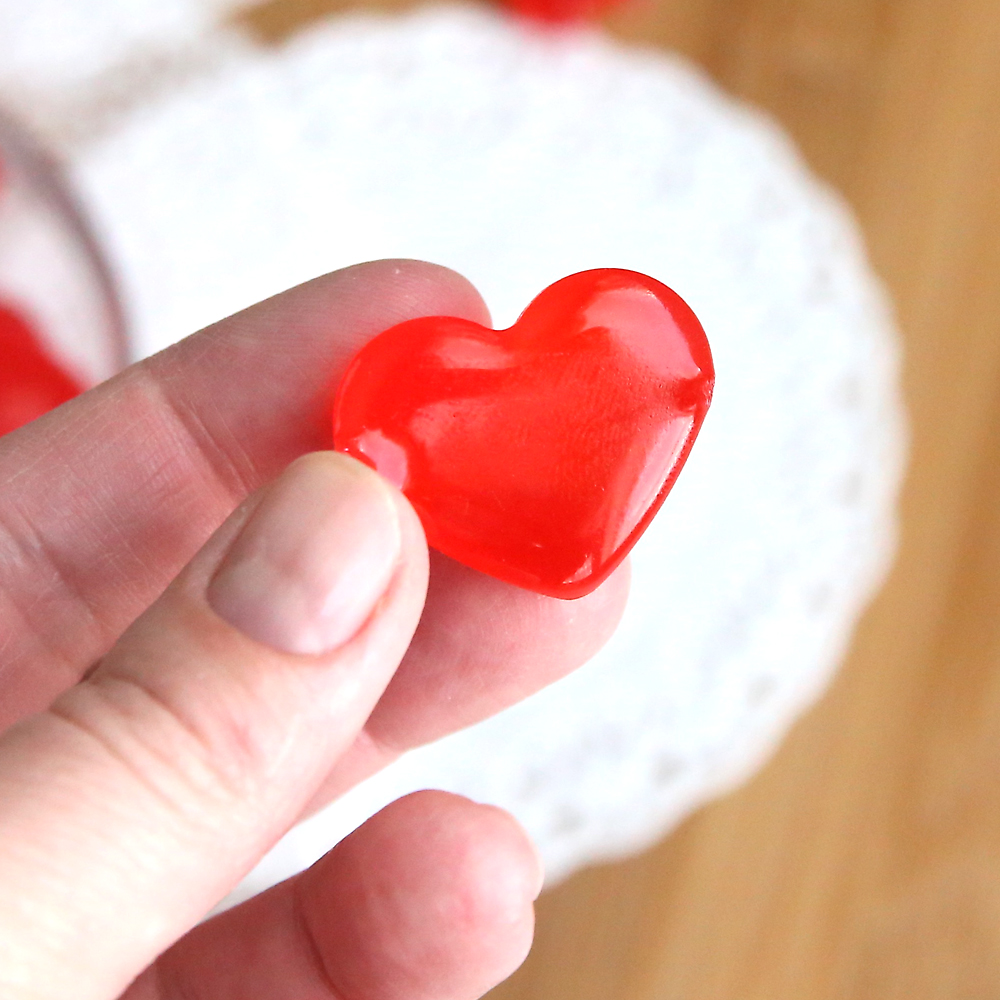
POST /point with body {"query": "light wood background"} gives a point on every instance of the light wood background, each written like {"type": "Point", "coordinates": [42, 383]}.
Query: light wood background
{"type": "Point", "coordinates": [864, 862]}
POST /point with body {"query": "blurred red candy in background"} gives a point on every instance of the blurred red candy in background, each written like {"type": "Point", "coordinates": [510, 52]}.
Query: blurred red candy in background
{"type": "Point", "coordinates": [31, 383]}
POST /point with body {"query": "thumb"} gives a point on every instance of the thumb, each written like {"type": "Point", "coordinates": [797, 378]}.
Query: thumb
{"type": "Point", "coordinates": [147, 791]}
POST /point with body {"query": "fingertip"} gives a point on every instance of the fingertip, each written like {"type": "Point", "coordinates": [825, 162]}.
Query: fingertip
{"type": "Point", "coordinates": [414, 573]}
{"type": "Point", "coordinates": [606, 605]}
{"type": "Point", "coordinates": [424, 282]}
{"type": "Point", "coordinates": [345, 309]}
{"type": "Point", "coordinates": [496, 863]}
{"type": "Point", "coordinates": [432, 897]}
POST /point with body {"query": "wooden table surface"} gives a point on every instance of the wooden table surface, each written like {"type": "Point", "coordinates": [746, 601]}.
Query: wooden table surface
{"type": "Point", "coordinates": [864, 862]}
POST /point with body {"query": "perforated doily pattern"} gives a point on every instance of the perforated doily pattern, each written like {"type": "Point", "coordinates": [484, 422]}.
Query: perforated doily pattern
{"type": "Point", "coordinates": [457, 136]}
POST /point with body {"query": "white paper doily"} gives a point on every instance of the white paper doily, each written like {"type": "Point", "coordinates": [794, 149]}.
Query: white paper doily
{"type": "Point", "coordinates": [456, 136]}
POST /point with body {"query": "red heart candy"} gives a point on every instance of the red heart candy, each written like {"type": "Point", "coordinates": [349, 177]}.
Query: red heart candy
{"type": "Point", "coordinates": [31, 383]}
{"type": "Point", "coordinates": [537, 454]}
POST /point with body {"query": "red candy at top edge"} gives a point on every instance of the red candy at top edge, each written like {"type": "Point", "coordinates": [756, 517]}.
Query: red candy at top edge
{"type": "Point", "coordinates": [537, 454]}
{"type": "Point", "coordinates": [560, 12]}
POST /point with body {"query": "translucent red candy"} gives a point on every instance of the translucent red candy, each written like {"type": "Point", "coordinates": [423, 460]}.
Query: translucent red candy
{"type": "Point", "coordinates": [560, 11]}
{"type": "Point", "coordinates": [31, 383]}
{"type": "Point", "coordinates": [537, 454]}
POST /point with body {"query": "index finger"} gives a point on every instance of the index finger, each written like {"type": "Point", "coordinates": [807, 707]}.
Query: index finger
{"type": "Point", "coordinates": [106, 498]}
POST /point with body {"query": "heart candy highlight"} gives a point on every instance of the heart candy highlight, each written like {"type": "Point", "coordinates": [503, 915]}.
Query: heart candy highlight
{"type": "Point", "coordinates": [540, 453]}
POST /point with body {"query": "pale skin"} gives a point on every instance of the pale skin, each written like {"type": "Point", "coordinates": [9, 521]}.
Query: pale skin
{"type": "Point", "coordinates": [166, 718]}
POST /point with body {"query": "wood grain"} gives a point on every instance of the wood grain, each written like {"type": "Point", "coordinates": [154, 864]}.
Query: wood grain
{"type": "Point", "coordinates": [864, 862]}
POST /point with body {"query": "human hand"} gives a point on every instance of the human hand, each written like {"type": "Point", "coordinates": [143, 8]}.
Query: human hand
{"type": "Point", "coordinates": [246, 672]}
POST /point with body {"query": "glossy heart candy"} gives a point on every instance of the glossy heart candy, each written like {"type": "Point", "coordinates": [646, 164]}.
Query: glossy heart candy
{"type": "Point", "coordinates": [31, 383]}
{"type": "Point", "coordinates": [537, 454]}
